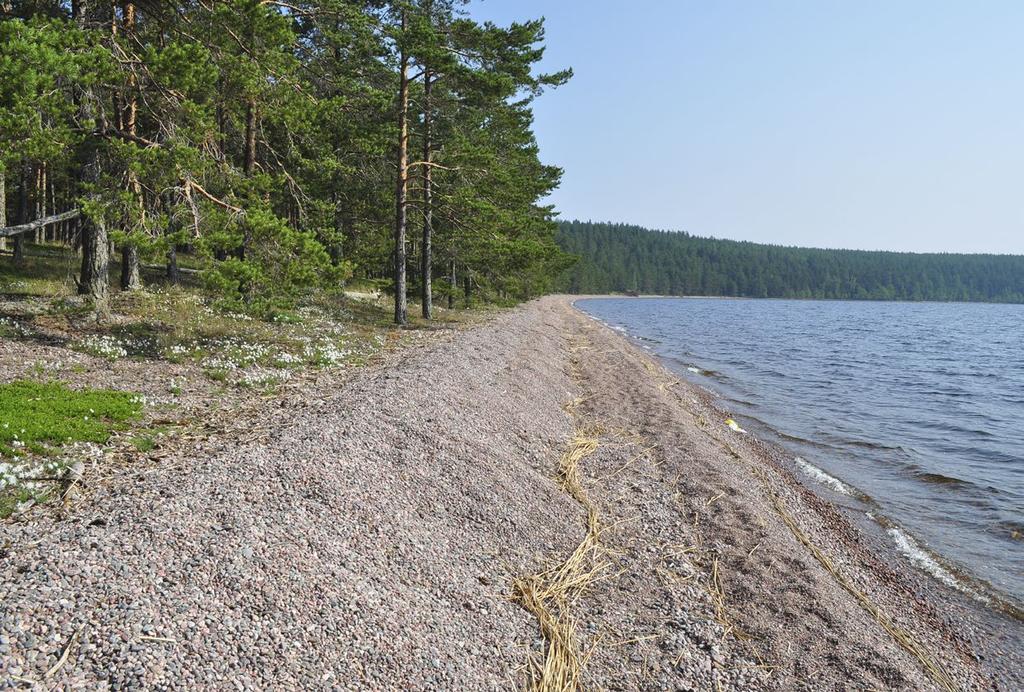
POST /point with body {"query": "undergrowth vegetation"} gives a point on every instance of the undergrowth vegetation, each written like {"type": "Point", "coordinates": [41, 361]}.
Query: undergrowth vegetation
{"type": "Point", "coordinates": [35, 416]}
{"type": "Point", "coordinates": [47, 426]}
{"type": "Point", "coordinates": [249, 346]}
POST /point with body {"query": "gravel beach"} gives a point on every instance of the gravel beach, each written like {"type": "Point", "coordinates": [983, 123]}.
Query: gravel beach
{"type": "Point", "coordinates": [366, 531]}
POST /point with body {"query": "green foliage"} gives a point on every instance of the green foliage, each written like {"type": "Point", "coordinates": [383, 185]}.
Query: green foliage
{"type": "Point", "coordinates": [278, 264]}
{"type": "Point", "coordinates": [622, 258]}
{"type": "Point", "coordinates": [144, 443]}
{"type": "Point", "coordinates": [257, 141]}
{"type": "Point", "coordinates": [37, 413]}
{"type": "Point", "coordinates": [35, 118]}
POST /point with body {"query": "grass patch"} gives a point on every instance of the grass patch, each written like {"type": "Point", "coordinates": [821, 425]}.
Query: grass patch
{"type": "Point", "coordinates": [33, 414]}
{"type": "Point", "coordinates": [44, 426]}
{"type": "Point", "coordinates": [144, 443]}
{"type": "Point", "coordinates": [46, 271]}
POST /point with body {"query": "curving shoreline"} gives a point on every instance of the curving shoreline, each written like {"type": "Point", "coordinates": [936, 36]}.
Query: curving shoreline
{"type": "Point", "coordinates": [372, 536]}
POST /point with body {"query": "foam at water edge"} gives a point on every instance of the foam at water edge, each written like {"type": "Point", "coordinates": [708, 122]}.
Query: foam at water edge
{"type": "Point", "coordinates": [693, 369]}
{"type": "Point", "coordinates": [922, 560]}
{"type": "Point", "coordinates": [820, 476]}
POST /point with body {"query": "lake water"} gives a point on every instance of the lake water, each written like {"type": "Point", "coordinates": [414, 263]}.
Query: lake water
{"type": "Point", "coordinates": [912, 413]}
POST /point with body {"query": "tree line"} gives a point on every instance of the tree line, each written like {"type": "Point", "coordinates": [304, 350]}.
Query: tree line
{"type": "Point", "coordinates": [278, 145]}
{"type": "Point", "coordinates": [623, 258]}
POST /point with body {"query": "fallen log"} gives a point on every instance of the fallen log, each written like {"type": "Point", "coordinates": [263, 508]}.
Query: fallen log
{"type": "Point", "coordinates": [38, 223]}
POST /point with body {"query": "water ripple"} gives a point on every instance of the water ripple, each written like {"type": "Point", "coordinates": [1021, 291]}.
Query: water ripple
{"type": "Point", "coordinates": [917, 405]}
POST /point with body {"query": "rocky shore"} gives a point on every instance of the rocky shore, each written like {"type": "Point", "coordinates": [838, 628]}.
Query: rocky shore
{"type": "Point", "coordinates": [527, 501]}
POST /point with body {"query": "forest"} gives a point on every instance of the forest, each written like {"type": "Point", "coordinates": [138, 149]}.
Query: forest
{"type": "Point", "coordinates": [271, 147]}
{"type": "Point", "coordinates": [620, 258]}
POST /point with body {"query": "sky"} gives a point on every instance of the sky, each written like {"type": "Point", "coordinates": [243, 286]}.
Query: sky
{"type": "Point", "coordinates": [867, 124]}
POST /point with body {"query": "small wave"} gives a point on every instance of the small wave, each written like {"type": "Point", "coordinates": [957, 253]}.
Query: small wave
{"type": "Point", "coordinates": [924, 561]}
{"type": "Point", "coordinates": [939, 479]}
{"type": "Point", "coordinates": [802, 440]}
{"type": "Point", "coordinates": [868, 444]}
{"type": "Point", "coordinates": [813, 472]}
{"type": "Point", "coordinates": [695, 370]}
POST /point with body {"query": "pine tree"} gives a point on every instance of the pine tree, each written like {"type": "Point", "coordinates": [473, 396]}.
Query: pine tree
{"type": "Point", "coordinates": [272, 141]}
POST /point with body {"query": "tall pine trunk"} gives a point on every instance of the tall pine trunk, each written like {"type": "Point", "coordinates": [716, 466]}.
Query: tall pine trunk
{"type": "Point", "coordinates": [173, 275]}
{"type": "Point", "coordinates": [451, 283]}
{"type": "Point", "coordinates": [3, 207]}
{"type": "Point", "coordinates": [24, 215]}
{"type": "Point", "coordinates": [131, 275]}
{"type": "Point", "coordinates": [426, 259]}
{"type": "Point", "coordinates": [248, 163]}
{"type": "Point", "coordinates": [55, 233]}
{"type": "Point", "coordinates": [131, 279]}
{"type": "Point", "coordinates": [334, 248]}
{"type": "Point", "coordinates": [95, 241]}
{"type": "Point", "coordinates": [40, 201]}
{"type": "Point", "coordinates": [402, 186]}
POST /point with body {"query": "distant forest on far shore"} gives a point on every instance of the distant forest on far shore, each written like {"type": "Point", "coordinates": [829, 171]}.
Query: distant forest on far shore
{"type": "Point", "coordinates": [620, 258]}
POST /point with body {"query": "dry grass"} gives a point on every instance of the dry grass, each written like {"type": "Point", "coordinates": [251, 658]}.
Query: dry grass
{"type": "Point", "coordinates": [550, 594]}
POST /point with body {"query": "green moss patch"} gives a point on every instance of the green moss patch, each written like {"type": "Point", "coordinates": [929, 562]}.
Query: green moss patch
{"type": "Point", "coordinates": [34, 415]}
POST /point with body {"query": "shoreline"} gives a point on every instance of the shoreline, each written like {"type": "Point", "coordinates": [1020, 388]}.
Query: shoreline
{"type": "Point", "coordinates": [903, 540]}
{"type": "Point", "coordinates": [695, 296]}
{"type": "Point", "coordinates": [374, 530]}
{"type": "Point", "coordinates": [995, 626]}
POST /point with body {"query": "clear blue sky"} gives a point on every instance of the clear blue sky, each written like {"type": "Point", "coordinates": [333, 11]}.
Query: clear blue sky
{"type": "Point", "coordinates": [870, 124]}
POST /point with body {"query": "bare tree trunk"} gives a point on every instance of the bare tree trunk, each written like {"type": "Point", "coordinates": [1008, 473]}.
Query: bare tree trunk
{"type": "Point", "coordinates": [23, 214]}
{"type": "Point", "coordinates": [131, 279]}
{"type": "Point", "coordinates": [173, 275]}
{"type": "Point", "coordinates": [248, 163]}
{"type": "Point", "coordinates": [40, 201]}
{"type": "Point", "coordinates": [131, 275]}
{"type": "Point", "coordinates": [3, 207]}
{"type": "Point", "coordinates": [451, 283]}
{"type": "Point", "coordinates": [426, 258]}
{"type": "Point", "coordinates": [95, 241]}
{"type": "Point", "coordinates": [55, 233]}
{"type": "Point", "coordinates": [250, 138]}
{"type": "Point", "coordinates": [401, 186]}
{"type": "Point", "coordinates": [95, 255]}
{"type": "Point", "coordinates": [131, 111]}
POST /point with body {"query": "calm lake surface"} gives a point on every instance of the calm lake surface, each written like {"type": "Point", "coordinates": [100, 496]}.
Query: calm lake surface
{"type": "Point", "coordinates": [912, 413]}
